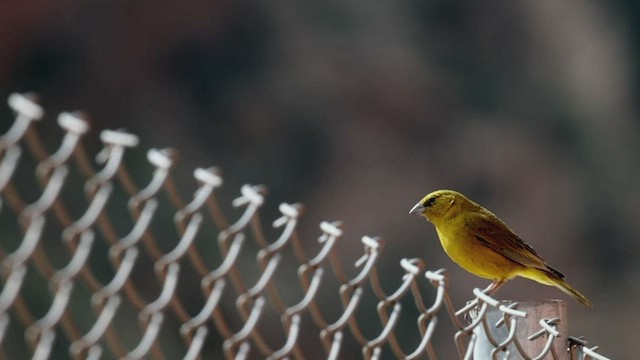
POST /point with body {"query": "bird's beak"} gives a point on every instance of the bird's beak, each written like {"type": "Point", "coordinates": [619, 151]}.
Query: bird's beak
{"type": "Point", "coordinates": [417, 209]}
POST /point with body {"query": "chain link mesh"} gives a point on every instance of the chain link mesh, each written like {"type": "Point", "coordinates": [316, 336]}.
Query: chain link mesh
{"type": "Point", "coordinates": [107, 282]}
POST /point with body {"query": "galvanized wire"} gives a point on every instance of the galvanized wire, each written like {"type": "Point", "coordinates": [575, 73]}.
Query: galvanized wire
{"type": "Point", "coordinates": [233, 333]}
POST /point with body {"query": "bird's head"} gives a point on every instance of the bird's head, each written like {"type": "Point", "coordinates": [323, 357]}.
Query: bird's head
{"type": "Point", "coordinates": [439, 204]}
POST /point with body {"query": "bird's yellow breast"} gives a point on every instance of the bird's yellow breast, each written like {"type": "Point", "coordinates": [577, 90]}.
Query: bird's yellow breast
{"type": "Point", "coordinates": [468, 252]}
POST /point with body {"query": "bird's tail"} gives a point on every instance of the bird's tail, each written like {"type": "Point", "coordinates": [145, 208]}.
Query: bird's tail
{"type": "Point", "coordinates": [567, 289]}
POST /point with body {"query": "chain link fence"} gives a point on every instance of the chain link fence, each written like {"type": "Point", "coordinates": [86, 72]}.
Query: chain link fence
{"type": "Point", "coordinates": [86, 274]}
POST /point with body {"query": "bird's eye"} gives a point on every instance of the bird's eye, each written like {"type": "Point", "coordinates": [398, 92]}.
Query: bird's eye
{"type": "Point", "coordinates": [429, 201]}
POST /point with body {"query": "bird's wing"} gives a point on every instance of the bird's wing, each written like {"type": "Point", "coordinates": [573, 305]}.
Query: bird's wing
{"type": "Point", "coordinates": [493, 233]}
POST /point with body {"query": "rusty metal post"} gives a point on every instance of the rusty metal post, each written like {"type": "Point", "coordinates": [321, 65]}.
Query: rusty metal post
{"type": "Point", "coordinates": [531, 336]}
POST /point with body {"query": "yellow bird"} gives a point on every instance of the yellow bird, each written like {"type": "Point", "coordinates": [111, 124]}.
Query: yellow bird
{"type": "Point", "coordinates": [482, 244]}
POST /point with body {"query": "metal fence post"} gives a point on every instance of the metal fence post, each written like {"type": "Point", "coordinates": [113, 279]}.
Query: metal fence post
{"type": "Point", "coordinates": [530, 335]}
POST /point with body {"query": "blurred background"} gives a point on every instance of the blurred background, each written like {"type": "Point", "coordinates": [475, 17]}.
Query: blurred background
{"type": "Point", "coordinates": [358, 109]}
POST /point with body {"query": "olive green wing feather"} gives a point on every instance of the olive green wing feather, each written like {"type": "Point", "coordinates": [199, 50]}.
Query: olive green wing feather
{"type": "Point", "coordinates": [493, 233]}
